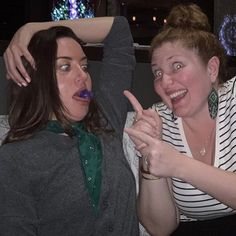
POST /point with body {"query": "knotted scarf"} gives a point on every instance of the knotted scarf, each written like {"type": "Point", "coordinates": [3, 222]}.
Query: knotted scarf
{"type": "Point", "coordinates": [90, 153]}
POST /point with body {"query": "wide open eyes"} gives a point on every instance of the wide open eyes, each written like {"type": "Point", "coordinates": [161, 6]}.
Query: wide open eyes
{"type": "Point", "coordinates": [64, 67]}
{"type": "Point", "coordinates": [157, 74]}
{"type": "Point", "coordinates": [177, 66]}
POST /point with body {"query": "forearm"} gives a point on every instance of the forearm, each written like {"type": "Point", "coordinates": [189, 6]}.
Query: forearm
{"type": "Point", "coordinates": [156, 210]}
{"type": "Point", "coordinates": [90, 30]}
{"type": "Point", "coordinates": [213, 181]}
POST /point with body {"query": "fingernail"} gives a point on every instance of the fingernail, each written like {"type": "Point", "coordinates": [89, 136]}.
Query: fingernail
{"type": "Point", "coordinates": [27, 79]}
{"type": "Point", "coordinates": [24, 84]}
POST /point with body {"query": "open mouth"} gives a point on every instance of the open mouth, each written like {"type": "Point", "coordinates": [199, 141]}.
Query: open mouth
{"type": "Point", "coordinates": [177, 95]}
{"type": "Point", "coordinates": [84, 94]}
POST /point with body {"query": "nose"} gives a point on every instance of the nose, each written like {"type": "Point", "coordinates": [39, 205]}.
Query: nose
{"type": "Point", "coordinates": [167, 80]}
{"type": "Point", "coordinates": [81, 75]}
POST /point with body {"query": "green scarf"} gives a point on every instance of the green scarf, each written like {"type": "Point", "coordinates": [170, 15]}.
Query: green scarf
{"type": "Point", "coordinates": [90, 151]}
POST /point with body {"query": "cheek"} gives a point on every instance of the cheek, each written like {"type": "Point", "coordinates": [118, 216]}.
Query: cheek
{"type": "Point", "coordinates": [61, 83]}
{"type": "Point", "coordinates": [157, 87]}
{"type": "Point", "coordinates": [62, 90]}
{"type": "Point", "coordinates": [161, 92]}
{"type": "Point", "coordinates": [65, 90]}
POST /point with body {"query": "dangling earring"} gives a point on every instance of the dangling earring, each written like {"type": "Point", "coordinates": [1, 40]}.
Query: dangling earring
{"type": "Point", "coordinates": [213, 101]}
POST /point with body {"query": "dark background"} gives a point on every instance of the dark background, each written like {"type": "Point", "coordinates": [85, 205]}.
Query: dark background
{"type": "Point", "coordinates": [15, 13]}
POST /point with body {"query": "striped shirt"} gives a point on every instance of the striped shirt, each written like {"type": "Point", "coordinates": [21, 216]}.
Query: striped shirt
{"type": "Point", "coordinates": [194, 204]}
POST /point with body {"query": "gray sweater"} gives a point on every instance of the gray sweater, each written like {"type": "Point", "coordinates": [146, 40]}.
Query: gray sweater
{"type": "Point", "coordinates": [42, 185]}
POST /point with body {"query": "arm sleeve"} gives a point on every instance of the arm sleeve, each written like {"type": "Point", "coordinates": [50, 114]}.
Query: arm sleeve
{"type": "Point", "coordinates": [116, 74]}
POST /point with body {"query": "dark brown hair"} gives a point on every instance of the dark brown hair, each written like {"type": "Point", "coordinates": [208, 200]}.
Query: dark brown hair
{"type": "Point", "coordinates": [189, 25]}
{"type": "Point", "coordinates": [31, 107]}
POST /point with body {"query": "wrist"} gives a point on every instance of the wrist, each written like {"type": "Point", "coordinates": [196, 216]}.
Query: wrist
{"type": "Point", "coordinates": [146, 175]}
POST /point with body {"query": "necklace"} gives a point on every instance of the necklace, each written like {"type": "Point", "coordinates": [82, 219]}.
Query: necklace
{"type": "Point", "coordinates": [203, 151]}
{"type": "Point", "coordinates": [200, 151]}
{"type": "Point", "coordinates": [205, 147]}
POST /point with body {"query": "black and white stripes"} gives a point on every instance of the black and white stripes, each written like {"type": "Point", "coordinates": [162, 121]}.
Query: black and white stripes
{"type": "Point", "coordinates": [193, 203]}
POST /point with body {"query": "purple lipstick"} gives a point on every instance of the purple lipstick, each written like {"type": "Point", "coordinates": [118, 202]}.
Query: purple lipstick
{"type": "Point", "coordinates": [86, 94]}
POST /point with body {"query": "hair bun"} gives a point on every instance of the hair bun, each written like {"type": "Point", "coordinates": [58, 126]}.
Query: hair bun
{"type": "Point", "coordinates": [188, 16]}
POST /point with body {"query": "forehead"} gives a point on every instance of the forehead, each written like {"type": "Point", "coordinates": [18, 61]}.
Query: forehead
{"type": "Point", "coordinates": [69, 47]}
{"type": "Point", "coordinates": [170, 50]}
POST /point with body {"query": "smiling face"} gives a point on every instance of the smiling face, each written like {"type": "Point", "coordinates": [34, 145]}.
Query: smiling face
{"type": "Point", "coordinates": [72, 77]}
{"type": "Point", "coordinates": [181, 79]}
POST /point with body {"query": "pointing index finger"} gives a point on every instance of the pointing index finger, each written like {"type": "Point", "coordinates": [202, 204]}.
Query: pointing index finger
{"type": "Point", "coordinates": [134, 102]}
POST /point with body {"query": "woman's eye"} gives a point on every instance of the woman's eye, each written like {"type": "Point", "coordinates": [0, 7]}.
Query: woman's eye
{"type": "Point", "coordinates": [177, 65]}
{"type": "Point", "coordinates": [85, 68]}
{"type": "Point", "coordinates": [157, 74]}
{"type": "Point", "coordinates": [64, 67]}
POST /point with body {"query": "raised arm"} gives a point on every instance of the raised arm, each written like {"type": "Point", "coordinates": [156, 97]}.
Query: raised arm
{"type": "Point", "coordinates": [116, 73]}
{"type": "Point", "coordinates": [92, 30]}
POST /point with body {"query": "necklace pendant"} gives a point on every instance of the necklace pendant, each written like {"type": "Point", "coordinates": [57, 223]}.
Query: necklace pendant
{"type": "Point", "coordinates": [202, 151]}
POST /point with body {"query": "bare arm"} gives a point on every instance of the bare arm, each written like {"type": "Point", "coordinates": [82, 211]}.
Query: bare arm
{"type": "Point", "coordinates": [156, 209]}
{"type": "Point", "coordinates": [211, 180]}
{"type": "Point", "coordinates": [92, 30]}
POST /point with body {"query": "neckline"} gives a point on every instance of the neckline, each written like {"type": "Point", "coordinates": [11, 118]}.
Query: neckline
{"type": "Point", "coordinates": [186, 145]}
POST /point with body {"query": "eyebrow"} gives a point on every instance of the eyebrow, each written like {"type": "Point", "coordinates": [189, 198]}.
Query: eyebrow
{"type": "Point", "coordinates": [154, 64]}
{"type": "Point", "coordinates": [169, 58]}
{"type": "Point", "coordinates": [69, 58]}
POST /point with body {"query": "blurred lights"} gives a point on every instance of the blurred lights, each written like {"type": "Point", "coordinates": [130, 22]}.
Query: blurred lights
{"type": "Point", "coordinates": [227, 34]}
{"type": "Point", "coordinates": [72, 9]}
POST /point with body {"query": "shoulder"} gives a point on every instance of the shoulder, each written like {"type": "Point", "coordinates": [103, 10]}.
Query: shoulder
{"type": "Point", "coordinates": [19, 147]}
{"type": "Point", "coordinates": [40, 150]}
{"type": "Point", "coordinates": [164, 112]}
{"type": "Point", "coordinates": [228, 88]}
{"type": "Point", "coordinates": [227, 95]}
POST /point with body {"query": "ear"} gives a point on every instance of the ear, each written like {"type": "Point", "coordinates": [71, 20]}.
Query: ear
{"type": "Point", "coordinates": [213, 68]}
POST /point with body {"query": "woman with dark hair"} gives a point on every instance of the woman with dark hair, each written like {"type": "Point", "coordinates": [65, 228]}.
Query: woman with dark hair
{"type": "Point", "coordinates": [43, 97]}
{"type": "Point", "coordinates": [62, 166]}
{"type": "Point", "coordinates": [188, 164]}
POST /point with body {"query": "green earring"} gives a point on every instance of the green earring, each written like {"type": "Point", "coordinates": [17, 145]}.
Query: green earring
{"type": "Point", "coordinates": [213, 101]}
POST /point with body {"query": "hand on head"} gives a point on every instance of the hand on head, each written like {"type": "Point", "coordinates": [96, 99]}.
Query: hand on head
{"type": "Point", "coordinates": [17, 49]}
